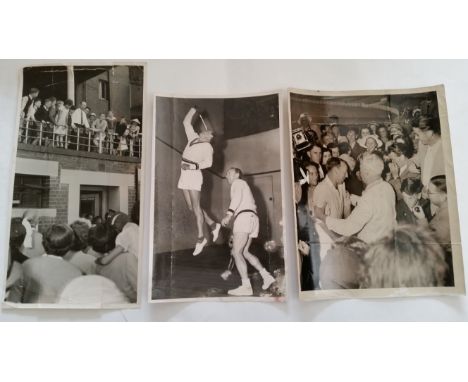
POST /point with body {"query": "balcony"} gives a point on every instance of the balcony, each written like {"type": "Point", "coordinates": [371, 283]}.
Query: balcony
{"type": "Point", "coordinates": [43, 137]}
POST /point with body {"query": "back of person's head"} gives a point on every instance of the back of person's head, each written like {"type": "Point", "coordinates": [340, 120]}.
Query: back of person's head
{"type": "Point", "coordinates": [58, 240]}
{"type": "Point", "coordinates": [411, 186]}
{"type": "Point", "coordinates": [17, 233]}
{"type": "Point", "coordinates": [371, 166]}
{"type": "Point", "coordinates": [81, 231]}
{"type": "Point", "coordinates": [119, 220]}
{"type": "Point", "coordinates": [344, 148]}
{"type": "Point", "coordinates": [101, 238]}
{"type": "Point", "coordinates": [440, 183]}
{"type": "Point", "coordinates": [402, 146]}
{"type": "Point", "coordinates": [333, 162]}
{"type": "Point", "coordinates": [408, 258]}
{"type": "Point", "coordinates": [68, 103]}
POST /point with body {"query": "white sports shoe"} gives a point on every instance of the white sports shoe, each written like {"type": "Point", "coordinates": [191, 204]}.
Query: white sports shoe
{"type": "Point", "coordinates": [267, 281]}
{"type": "Point", "coordinates": [199, 247]}
{"type": "Point", "coordinates": [243, 290]}
{"type": "Point", "coordinates": [215, 232]}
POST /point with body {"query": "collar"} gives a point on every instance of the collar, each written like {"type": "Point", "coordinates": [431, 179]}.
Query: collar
{"type": "Point", "coordinates": [374, 183]}
{"type": "Point", "coordinates": [330, 183]}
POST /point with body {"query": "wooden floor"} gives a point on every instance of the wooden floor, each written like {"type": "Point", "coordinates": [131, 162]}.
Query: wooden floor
{"type": "Point", "coordinates": [181, 275]}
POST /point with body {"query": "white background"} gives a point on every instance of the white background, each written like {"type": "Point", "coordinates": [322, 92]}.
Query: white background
{"type": "Point", "coordinates": [223, 77]}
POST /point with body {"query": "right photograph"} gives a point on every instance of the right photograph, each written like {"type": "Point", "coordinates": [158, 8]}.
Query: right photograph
{"type": "Point", "coordinates": [374, 192]}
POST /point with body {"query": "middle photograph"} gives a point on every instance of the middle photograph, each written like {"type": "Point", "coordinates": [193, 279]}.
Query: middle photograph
{"type": "Point", "coordinates": [217, 199]}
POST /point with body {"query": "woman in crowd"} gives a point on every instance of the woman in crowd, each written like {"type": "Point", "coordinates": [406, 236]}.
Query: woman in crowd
{"type": "Point", "coordinates": [134, 137]}
{"type": "Point", "coordinates": [326, 155]}
{"type": "Point", "coordinates": [99, 128]}
{"type": "Point", "coordinates": [122, 136]}
{"type": "Point", "coordinates": [400, 165]}
{"type": "Point", "coordinates": [78, 255]}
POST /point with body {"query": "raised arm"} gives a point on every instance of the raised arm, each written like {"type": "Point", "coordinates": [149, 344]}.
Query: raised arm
{"type": "Point", "coordinates": [189, 131]}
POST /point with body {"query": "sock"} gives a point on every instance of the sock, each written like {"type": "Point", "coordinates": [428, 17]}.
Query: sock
{"type": "Point", "coordinates": [264, 273]}
{"type": "Point", "coordinates": [246, 282]}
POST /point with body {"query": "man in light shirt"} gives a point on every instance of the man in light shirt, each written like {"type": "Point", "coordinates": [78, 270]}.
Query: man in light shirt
{"type": "Point", "coordinates": [374, 215]}
{"type": "Point", "coordinates": [330, 197]}
{"type": "Point", "coordinates": [430, 155]}
{"type": "Point", "coordinates": [245, 228]}
{"type": "Point", "coordinates": [80, 124]}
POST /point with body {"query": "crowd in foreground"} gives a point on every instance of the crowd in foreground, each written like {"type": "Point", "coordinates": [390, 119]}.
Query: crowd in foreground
{"type": "Point", "coordinates": [86, 262]}
{"type": "Point", "coordinates": [372, 208]}
{"type": "Point", "coordinates": [59, 123]}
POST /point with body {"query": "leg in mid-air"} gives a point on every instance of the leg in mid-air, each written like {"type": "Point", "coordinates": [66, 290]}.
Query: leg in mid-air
{"type": "Point", "coordinates": [198, 212]}
{"type": "Point", "coordinates": [214, 226]}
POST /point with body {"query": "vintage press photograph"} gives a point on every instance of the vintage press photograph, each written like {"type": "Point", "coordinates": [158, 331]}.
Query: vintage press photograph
{"type": "Point", "coordinates": [218, 205]}
{"type": "Point", "coordinates": [375, 196]}
{"type": "Point", "coordinates": [74, 235]}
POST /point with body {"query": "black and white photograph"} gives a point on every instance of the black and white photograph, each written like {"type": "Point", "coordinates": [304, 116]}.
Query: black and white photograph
{"type": "Point", "coordinates": [217, 199]}
{"type": "Point", "coordinates": [74, 230]}
{"type": "Point", "coordinates": [374, 192]}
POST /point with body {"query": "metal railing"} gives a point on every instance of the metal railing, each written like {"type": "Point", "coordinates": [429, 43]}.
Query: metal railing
{"type": "Point", "coordinates": [78, 139]}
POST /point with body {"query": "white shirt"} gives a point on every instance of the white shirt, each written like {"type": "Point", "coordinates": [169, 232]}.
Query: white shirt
{"type": "Point", "coordinates": [373, 218]}
{"type": "Point", "coordinates": [330, 198]}
{"type": "Point", "coordinates": [128, 239]}
{"type": "Point", "coordinates": [198, 152]}
{"type": "Point", "coordinates": [79, 117]}
{"type": "Point", "coordinates": [433, 154]}
{"type": "Point", "coordinates": [241, 197]}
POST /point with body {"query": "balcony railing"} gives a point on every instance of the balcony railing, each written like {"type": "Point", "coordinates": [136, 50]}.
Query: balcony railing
{"type": "Point", "coordinates": [79, 139]}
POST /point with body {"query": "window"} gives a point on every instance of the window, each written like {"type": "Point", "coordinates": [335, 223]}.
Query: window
{"type": "Point", "coordinates": [31, 191]}
{"type": "Point", "coordinates": [104, 90]}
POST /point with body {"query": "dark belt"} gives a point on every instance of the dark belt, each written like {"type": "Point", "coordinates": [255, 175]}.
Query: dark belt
{"type": "Point", "coordinates": [244, 211]}
{"type": "Point", "coordinates": [190, 162]}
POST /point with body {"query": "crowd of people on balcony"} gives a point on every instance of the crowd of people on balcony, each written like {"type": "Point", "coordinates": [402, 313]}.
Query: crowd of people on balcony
{"type": "Point", "coordinates": [59, 123]}
{"type": "Point", "coordinates": [371, 200]}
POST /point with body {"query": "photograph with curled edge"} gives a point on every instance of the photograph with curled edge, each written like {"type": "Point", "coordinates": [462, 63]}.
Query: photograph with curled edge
{"type": "Point", "coordinates": [374, 193]}
{"type": "Point", "coordinates": [217, 200]}
{"type": "Point", "coordinates": [74, 232]}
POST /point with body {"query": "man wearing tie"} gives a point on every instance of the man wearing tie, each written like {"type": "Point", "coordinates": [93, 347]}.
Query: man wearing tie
{"type": "Point", "coordinates": [79, 124]}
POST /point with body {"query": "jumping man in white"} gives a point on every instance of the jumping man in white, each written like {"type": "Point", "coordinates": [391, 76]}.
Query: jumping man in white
{"type": "Point", "coordinates": [245, 228]}
{"type": "Point", "coordinates": [197, 155]}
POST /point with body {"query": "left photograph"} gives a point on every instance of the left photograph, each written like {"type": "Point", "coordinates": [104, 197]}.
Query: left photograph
{"type": "Point", "coordinates": [74, 233]}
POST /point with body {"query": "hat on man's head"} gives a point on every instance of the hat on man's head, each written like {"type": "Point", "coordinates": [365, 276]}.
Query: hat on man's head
{"type": "Point", "coordinates": [135, 120]}
{"type": "Point", "coordinates": [92, 114]}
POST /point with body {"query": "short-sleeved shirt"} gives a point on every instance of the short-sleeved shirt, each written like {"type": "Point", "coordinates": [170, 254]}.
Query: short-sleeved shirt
{"type": "Point", "coordinates": [330, 198]}
{"type": "Point", "coordinates": [84, 262]}
{"type": "Point", "coordinates": [128, 239]}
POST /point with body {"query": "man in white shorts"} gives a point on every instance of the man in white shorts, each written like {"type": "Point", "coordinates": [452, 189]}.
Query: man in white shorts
{"type": "Point", "coordinates": [245, 228]}
{"type": "Point", "coordinates": [197, 155]}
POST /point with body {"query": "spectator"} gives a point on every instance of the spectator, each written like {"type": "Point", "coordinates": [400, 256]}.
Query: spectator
{"type": "Point", "coordinates": [334, 150]}
{"type": "Point", "coordinates": [99, 128]}
{"type": "Point", "coordinates": [400, 166]}
{"type": "Point", "coordinates": [28, 101]}
{"type": "Point", "coordinates": [45, 276]}
{"type": "Point", "coordinates": [79, 125]}
{"type": "Point", "coordinates": [315, 155]}
{"type": "Point", "coordinates": [407, 258]}
{"type": "Point", "coordinates": [430, 155]}
{"type": "Point", "coordinates": [60, 124]}
{"type": "Point", "coordinates": [356, 149]}
{"type": "Point", "coordinates": [134, 137]}
{"type": "Point", "coordinates": [411, 201]}
{"type": "Point", "coordinates": [77, 255]}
